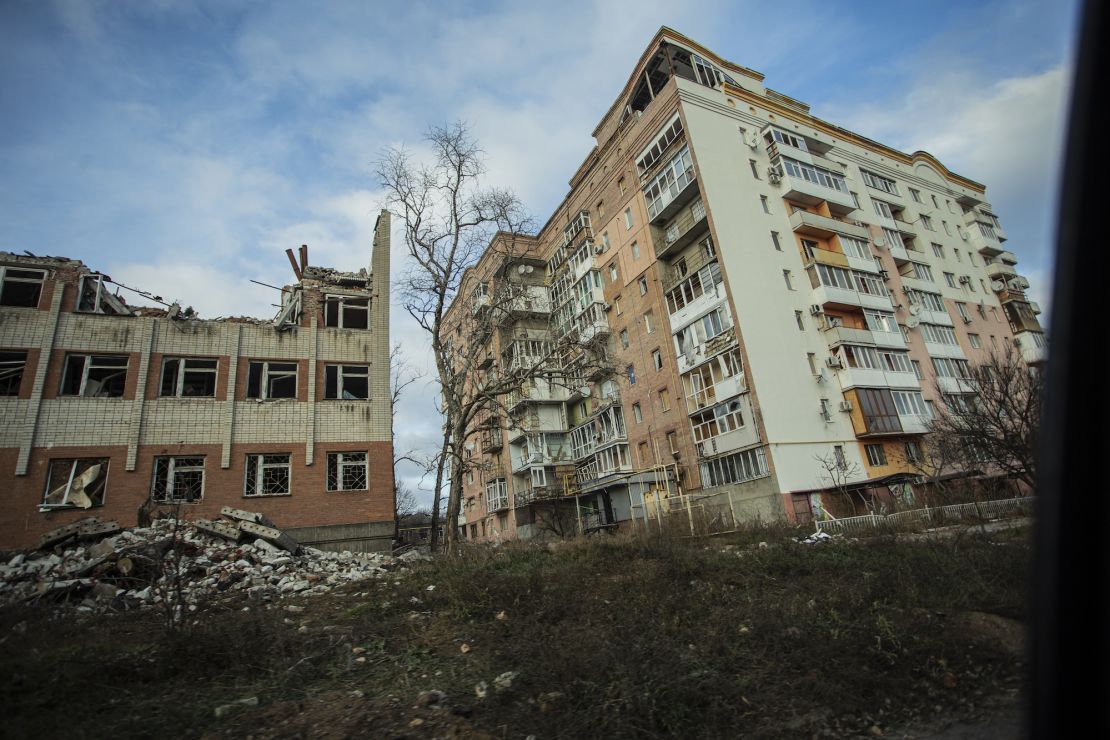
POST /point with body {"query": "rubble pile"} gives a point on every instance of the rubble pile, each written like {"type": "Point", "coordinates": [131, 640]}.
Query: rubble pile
{"type": "Point", "coordinates": [98, 566]}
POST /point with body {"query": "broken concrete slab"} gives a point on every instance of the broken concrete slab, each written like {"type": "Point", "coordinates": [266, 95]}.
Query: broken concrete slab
{"type": "Point", "coordinates": [96, 530]}
{"type": "Point", "coordinates": [63, 533]}
{"type": "Point", "coordinates": [219, 529]}
{"type": "Point", "coordinates": [274, 536]}
{"type": "Point", "coordinates": [246, 516]}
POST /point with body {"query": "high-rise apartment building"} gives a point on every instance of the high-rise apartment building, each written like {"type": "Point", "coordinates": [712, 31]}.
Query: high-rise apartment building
{"type": "Point", "coordinates": [735, 297]}
{"type": "Point", "coordinates": [111, 410]}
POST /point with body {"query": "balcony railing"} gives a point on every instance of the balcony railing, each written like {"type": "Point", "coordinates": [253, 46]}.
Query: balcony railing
{"type": "Point", "coordinates": [687, 225]}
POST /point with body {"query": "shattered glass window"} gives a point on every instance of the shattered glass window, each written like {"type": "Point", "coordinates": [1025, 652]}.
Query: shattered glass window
{"type": "Point", "coordinates": [75, 483]}
{"type": "Point", "coordinates": [271, 380]}
{"type": "Point", "coordinates": [94, 297]}
{"type": "Point", "coordinates": [177, 479]}
{"type": "Point", "coordinates": [267, 475]}
{"type": "Point", "coordinates": [94, 376]}
{"type": "Point", "coordinates": [346, 312]}
{"type": "Point", "coordinates": [20, 287]}
{"type": "Point", "coordinates": [347, 471]}
{"type": "Point", "coordinates": [12, 365]}
{"type": "Point", "coordinates": [188, 378]}
{"type": "Point", "coordinates": [347, 382]}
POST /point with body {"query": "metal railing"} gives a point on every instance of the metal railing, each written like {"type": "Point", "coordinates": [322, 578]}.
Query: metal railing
{"type": "Point", "coordinates": [931, 515]}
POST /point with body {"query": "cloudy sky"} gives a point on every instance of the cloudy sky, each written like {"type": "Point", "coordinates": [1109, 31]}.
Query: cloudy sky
{"type": "Point", "coordinates": [183, 146]}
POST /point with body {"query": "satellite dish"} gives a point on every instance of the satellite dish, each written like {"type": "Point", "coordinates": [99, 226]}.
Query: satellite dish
{"type": "Point", "coordinates": [912, 322]}
{"type": "Point", "coordinates": [1023, 282]}
{"type": "Point", "coordinates": [880, 242]}
{"type": "Point", "coordinates": [522, 269]}
{"type": "Point", "coordinates": [915, 309]}
{"type": "Point", "coordinates": [997, 285]}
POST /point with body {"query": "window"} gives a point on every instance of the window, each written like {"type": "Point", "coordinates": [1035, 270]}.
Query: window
{"type": "Point", "coordinates": [635, 251]}
{"type": "Point", "coordinates": [600, 210]}
{"type": "Point", "coordinates": [913, 451]}
{"type": "Point", "coordinates": [186, 377]}
{"type": "Point", "coordinates": [267, 475]}
{"type": "Point", "coordinates": [883, 208]}
{"type": "Point", "coordinates": [876, 455]}
{"type": "Point", "coordinates": [798, 320]}
{"type": "Point", "coordinates": [617, 305]}
{"type": "Point", "coordinates": [786, 278]}
{"type": "Point", "coordinates": [696, 285]}
{"type": "Point", "coordinates": [825, 410]}
{"type": "Point", "coordinates": [856, 248]}
{"type": "Point", "coordinates": [855, 199]}
{"type": "Point", "coordinates": [975, 342]}
{"type": "Point", "coordinates": [936, 203]}
{"type": "Point", "coordinates": [927, 222]}
{"type": "Point", "coordinates": [809, 247]}
{"type": "Point", "coordinates": [613, 272]}
{"type": "Point", "coordinates": [12, 365]}
{"type": "Point", "coordinates": [879, 413]}
{"type": "Point", "coordinates": [962, 309]}
{"type": "Point", "coordinates": [645, 455]}
{"type": "Point", "coordinates": [665, 399]}
{"type": "Point", "coordinates": [642, 283]}
{"type": "Point", "coordinates": [816, 175]}
{"type": "Point", "coordinates": [928, 301]}
{"type": "Point", "coordinates": [763, 202]}
{"type": "Point", "coordinates": [755, 168]}
{"type": "Point", "coordinates": [958, 257]}
{"type": "Point", "coordinates": [720, 419]}
{"type": "Point", "coordinates": [921, 271]}
{"type": "Point", "coordinates": [75, 483]}
{"type": "Point", "coordinates": [947, 228]}
{"type": "Point", "coordinates": [812, 359]}
{"type": "Point", "coordinates": [346, 312]}
{"type": "Point", "coordinates": [657, 359]}
{"type": "Point", "coordinates": [735, 468]}
{"type": "Point", "coordinates": [628, 218]}
{"type": "Point", "coordinates": [871, 180]}
{"type": "Point", "coordinates": [672, 442]}
{"type": "Point", "coordinates": [637, 412]}
{"type": "Point", "coordinates": [605, 240]}
{"type": "Point", "coordinates": [916, 195]}
{"type": "Point", "coordinates": [938, 250]}
{"type": "Point", "coordinates": [838, 455]}
{"type": "Point", "coordinates": [93, 297]}
{"type": "Point", "coordinates": [621, 185]}
{"type": "Point", "coordinates": [775, 240]}
{"type": "Point", "coordinates": [938, 334]}
{"type": "Point", "coordinates": [910, 403]}
{"type": "Point", "coordinates": [347, 471]}
{"type": "Point", "coordinates": [94, 375]}
{"type": "Point", "coordinates": [19, 287]}
{"type": "Point", "coordinates": [271, 379]}
{"type": "Point", "coordinates": [178, 480]}
{"type": "Point", "coordinates": [950, 278]}
{"type": "Point", "coordinates": [672, 179]}
{"type": "Point", "coordinates": [347, 382]}
{"type": "Point", "coordinates": [631, 372]}
{"type": "Point", "coordinates": [649, 322]}
{"type": "Point", "coordinates": [917, 369]}
{"type": "Point", "coordinates": [624, 338]}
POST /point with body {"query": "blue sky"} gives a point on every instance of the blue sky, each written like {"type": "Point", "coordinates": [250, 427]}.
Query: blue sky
{"type": "Point", "coordinates": [182, 146]}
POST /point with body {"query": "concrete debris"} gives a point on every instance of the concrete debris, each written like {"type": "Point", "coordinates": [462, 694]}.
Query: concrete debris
{"type": "Point", "coordinates": [213, 561]}
{"type": "Point", "coordinates": [504, 681]}
{"type": "Point", "coordinates": [815, 539]}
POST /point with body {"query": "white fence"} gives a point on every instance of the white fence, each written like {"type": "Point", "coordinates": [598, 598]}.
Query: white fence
{"type": "Point", "coordinates": [931, 516]}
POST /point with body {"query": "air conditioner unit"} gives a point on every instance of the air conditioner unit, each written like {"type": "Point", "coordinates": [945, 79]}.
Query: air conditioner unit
{"type": "Point", "coordinates": [607, 306]}
{"type": "Point", "coordinates": [846, 406]}
{"type": "Point", "coordinates": [599, 248]}
{"type": "Point", "coordinates": [834, 362]}
{"type": "Point", "coordinates": [815, 309]}
{"type": "Point", "coordinates": [884, 274]}
{"type": "Point", "coordinates": [774, 175]}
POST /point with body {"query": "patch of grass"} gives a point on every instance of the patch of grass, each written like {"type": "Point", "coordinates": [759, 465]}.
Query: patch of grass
{"type": "Point", "coordinates": [616, 637]}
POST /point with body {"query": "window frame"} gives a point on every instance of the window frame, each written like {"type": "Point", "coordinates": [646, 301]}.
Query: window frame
{"type": "Point", "coordinates": [264, 379]}
{"type": "Point", "coordinates": [340, 371]}
{"type": "Point", "coordinates": [341, 301]}
{"type": "Point", "coordinates": [172, 463]}
{"type": "Point", "coordinates": [70, 478]}
{"type": "Point", "coordinates": [257, 460]}
{"type": "Point", "coordinates": [89, 363]}
{"type": "Point", "coordinates": [5, 278]}
{"type": "Point", "coordinates": [12, 371]}
{"type": "Point", "coordinates": [182, 369]}
{"type": "Point", "coordinates": [340, 464]}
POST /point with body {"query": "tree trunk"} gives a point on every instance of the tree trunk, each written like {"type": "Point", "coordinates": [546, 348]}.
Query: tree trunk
{"type": "Point", "coordinates": [434, 537]}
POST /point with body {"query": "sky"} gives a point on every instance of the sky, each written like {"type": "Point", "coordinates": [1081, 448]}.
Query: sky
{"type": "Point", "coordinates": [181, 147]}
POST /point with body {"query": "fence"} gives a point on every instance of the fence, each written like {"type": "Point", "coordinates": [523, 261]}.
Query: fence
{"type": "Point", "coordinates": [706, 515]}
{"type": "Point", "coordinates": [931, 516]}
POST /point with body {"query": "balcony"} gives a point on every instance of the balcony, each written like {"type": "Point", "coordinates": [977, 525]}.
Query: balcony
{"type": "Point", "coordinates": [813, 193]}
{"type": "Point", "coordinates": [704, 398]}
{"type": "Point", "coordinates": [1032, 345]}
{"type": "Point", "coordinates": [955, 385]}
{"type": "Point", "coordinates": [823, 227]}
{"type": "Point", "coordinates": [860, 377]}
{"type": "Point", "coordinates": [838, 335]}
{"type": "Point", "coordinates": [986, 245]}
{"type": "Point", "coordinates": [702, 352]}
{"type": "Point", "coordinates": [914, 424]}
{"type": "Point", "coordinates": [492, 440]}
{"type": "Point", "coordinates": [674, 186]}
{"type": "Point", "coordinates": [945, 350]}
{"type": "Point", "coordinates": [1001, 271]}
{"type": "Point", "coordinates": [723, 444]}
{"type": "Point", "coordinates": [829, 295]}
{"type": "Point", "coordinates": [485, 362]}
{"type": "Point", "coordinates": [675, 274]}
{"type": "Point", "coordinates": [526, 496]}
{"type": "Point", "coordinates": [681, 231]}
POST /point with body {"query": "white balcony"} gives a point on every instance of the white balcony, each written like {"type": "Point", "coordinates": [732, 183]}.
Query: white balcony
{"type": "Point", "coordinates": [697, 307]}
{"type": "Point", "coordinates": [801, 190]}
{"type": "Point", "coordinates": [714, 394]}
{"type": "Point", "coordinates": [828, 294]}
{"type": "Point", "coordinates": [702, 352]}
{"type": "Point", "coordinates": [859, 377]}
{"type": "Point", "coordinates": [813, 224]}
{"type": "Point", "coordinates": [936, 317]}
{"type": "Point", "coordinates": [945, 350]}
{"type": "Point", "coordinates": [914, 424]}
{"type": "Point", "coordinates": [954, 385]}
{"type": "Point", "coordinates": [1032, 345]}
{"type": "Point", "coordinates": [737, 439]}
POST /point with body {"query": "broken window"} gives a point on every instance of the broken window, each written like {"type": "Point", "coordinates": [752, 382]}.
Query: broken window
{"type": "Point", "coordinates": [188, 378]}
{"type": "Point", "coordinates": [346, 312]}
{"type": "Point", "coordinates": [347, 471]}
{"type": "Point", "coordinates": [75, 483]}
{"type": "Point", "coordinates": [12, 365]}
{"type": "Point", "coordinates": [178, 480]}
{"type": "Point", "coordinates": [94, 297]}
{"type": "Point", "coordinates": [272, 380]}
{"type": "Point", "coordinates": [19, 287]}
{"type": "Point", "coordinates": [267, 475]}
{"type": "Point", "coordinates": [347, 382]}
{"type": "Point", "coordinates": [94, 375]}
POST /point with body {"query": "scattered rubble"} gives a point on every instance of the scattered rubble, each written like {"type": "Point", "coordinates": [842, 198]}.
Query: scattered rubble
{"type": "Point", "coordinates": [98, 566]}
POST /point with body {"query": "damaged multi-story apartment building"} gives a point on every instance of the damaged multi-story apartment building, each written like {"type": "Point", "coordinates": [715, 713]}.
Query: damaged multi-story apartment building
{"type": "Point", "coordinates": [112, 410]}
{"type": "Point", "coordinates": [736, 298]}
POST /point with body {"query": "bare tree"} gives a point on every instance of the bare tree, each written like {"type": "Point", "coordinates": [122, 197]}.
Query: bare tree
{"type": "Point", "coordinates": [406, 503]}
{"type": "Point", "coordinates": [838, 473]}
{"type": "Point", "coordinates": [401, 375]}
{"type": "Point", "coordinates": [449, 218]}
{"type": "Point", "coordinates": [992, 428]}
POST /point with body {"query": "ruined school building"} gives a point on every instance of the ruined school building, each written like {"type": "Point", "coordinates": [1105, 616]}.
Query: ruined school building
{"type": "Point", "coordinates": [763, 300]}
{"type": "Point", "coordinates": [109, 409]}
